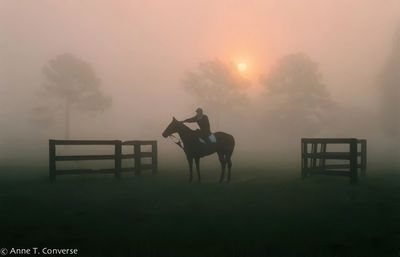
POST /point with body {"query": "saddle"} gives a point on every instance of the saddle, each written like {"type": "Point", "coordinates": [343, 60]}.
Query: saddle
{"type": "Point", "coordinates": [212, 139]}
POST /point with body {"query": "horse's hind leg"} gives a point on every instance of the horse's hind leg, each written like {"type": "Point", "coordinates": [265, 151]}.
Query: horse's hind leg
{"type": "Point", "coordinates": [190, 161]}
{"type": "Point", "coordinates": [223, 165]}
{"type": "Point", "coordinates": [229, 161]}
{"type": "Point", "coordinates": [197, 162]}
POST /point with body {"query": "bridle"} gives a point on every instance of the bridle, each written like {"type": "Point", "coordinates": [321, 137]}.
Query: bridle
{"type": "Point", "coordinates": [178, 142]}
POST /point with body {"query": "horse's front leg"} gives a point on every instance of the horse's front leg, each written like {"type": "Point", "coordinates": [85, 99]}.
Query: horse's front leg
{"type": "Point", "coordinates": [197, 161]}
{"type": "Point", "coordinates": [190, 161]}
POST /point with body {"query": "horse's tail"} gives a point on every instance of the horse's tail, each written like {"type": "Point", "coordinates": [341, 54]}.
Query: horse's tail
{"type": "Point", "coordinates": [232, 145]}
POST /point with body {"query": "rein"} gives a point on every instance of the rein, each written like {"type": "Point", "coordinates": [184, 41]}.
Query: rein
{"type": "Point", "coordinates": [178, 143]}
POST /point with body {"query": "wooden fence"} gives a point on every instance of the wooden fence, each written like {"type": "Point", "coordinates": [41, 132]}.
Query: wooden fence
{"type": "Point", "coordinates": [118, 156]}
{"type": "Point", "coordinates": [314, 155]}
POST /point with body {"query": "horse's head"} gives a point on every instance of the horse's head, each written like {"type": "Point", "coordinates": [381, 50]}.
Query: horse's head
{"type": "Point", "coordinates": [172, 128]}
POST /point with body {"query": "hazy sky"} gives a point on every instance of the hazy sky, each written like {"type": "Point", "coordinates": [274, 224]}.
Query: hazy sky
{"type": "Point", "coordinates": [141, 49]}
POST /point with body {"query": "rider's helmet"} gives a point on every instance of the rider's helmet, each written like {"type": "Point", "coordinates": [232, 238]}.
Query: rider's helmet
{"type": "Point", "coordinates": [199, 111]}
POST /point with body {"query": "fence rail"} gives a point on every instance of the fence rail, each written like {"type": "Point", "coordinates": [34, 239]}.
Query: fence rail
{"type": "Point", "coordinates": [118, 156]}
{"type": "Point", "coordinates": [313, 159]}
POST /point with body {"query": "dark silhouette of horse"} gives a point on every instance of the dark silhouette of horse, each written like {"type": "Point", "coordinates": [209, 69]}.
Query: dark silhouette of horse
{"type": "Point", "coordinates": [194, 149]}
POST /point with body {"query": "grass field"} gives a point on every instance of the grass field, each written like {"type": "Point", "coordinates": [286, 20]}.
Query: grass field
{"type": "Point", "coordinates": [263, 212]}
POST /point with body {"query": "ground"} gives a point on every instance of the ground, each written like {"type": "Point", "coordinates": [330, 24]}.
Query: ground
{"type": "Point", "coordinates": [261, 213]}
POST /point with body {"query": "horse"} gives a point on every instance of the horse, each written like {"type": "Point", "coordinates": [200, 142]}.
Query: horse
{"type": "Point", "coordinates": [194, 149]}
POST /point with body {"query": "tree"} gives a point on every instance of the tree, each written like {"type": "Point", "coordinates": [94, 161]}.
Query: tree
{"type": "Point", "coordinates": [216, 85]}
{"type": "Point", "coordinates": [389, 81]}
{"type": "Point", "coordinates": [297, 97]}
{"type": "Point", "coordinates": [73, 82]}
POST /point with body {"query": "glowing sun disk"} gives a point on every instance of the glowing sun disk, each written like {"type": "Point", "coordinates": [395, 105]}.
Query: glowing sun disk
{"type": "Point", "coordinates": [242, 66]}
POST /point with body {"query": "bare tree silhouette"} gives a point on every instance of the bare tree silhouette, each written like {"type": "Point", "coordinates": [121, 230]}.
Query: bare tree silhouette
{"type": "Point", "coordinates": [389, 81]}
{"type": "Point", "coordinates": [296, 95]}
{"type": "Point", "coordinates": [216, 85]}
{"type": "Point", "coordinates": [73, 82]}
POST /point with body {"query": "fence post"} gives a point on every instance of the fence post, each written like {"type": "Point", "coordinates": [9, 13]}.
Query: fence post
{"type": "Point", "coordinates": [138, 158]}
{"type": "Point", "coordinates": [118, 158]}
{"type": "Point", "coordinates": [353, 161]}
{"type": "Point", "coordinates": [154, 157]}
{"type": "Point", "coordinates": [323, 151]}
{"type": "Point", "coordinates": [314, 150]}
{"type": "Point", "coordinates": [52, 160]}
{"type": "Point", "coordinates": [363, 158]}
{"type": "Point", "coordinates": [304, 160]}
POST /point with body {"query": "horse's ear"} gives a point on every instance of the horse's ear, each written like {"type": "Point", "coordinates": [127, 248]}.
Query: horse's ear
{"type": "Point", "coordinates": [173, 118]}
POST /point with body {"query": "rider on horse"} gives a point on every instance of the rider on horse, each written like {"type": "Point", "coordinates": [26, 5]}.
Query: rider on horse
{"type": "Point", "coordinates": [203, 122]}
{"type": "Point", "coordinates": [223, 143]}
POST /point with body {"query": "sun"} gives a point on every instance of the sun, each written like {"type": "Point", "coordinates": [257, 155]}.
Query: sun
{"type": "Point", "coordinates": [242, 66]}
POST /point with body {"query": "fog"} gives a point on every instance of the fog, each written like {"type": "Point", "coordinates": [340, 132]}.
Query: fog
{"type": "Point", "coordinates": [143, 51]}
